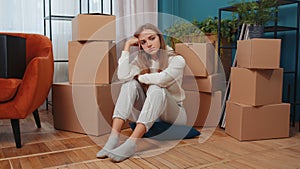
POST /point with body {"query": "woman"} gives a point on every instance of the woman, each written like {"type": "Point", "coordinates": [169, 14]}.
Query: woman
{"type": "Point", "coordinates": [153, 81]}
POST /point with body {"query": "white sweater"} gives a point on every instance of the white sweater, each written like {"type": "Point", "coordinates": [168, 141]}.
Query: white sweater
{"type": "Point", "coordinates": [170, 78]}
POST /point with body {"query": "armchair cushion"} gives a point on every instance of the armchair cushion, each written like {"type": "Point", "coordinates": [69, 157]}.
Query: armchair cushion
{"type": "Point", "coordinates": [8, 88]}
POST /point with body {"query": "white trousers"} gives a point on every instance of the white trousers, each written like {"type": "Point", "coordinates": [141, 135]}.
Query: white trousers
{"type": "Point", "coordinates": [156, 104]}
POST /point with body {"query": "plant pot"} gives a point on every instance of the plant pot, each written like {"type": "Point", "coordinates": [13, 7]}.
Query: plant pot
{"type": "Point", "coordinates": [211, 38]}
{"type": "Point", "coordinates": [256, 31]}
{"type": "Point", "coordinates": [193, 39]}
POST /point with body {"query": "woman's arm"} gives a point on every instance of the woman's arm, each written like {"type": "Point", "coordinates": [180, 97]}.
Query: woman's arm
{"type": "Point", "coordinates": [126, 70]}
{"type": "Point", "coordinates": [167, 76]}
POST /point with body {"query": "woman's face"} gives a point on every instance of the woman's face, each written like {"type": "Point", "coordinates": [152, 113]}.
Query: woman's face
{"type": "Point", "coordinates": [149, 40]}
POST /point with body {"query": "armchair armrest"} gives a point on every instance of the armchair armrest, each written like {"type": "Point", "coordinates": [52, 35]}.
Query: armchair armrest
{"type": "Point", "coordinates": [36, 84]}
{"type": "Point", "coordinates": [8, 87]}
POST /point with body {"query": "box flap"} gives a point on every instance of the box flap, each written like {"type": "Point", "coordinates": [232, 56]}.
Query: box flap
{"type": "Point", "coordinates": [243, 52]}
{"type": "Point", "coordinates": [194, 66]}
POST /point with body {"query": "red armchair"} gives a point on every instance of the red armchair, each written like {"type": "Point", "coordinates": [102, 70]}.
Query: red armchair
{"type": "Point", "coordinates": [20, 97]}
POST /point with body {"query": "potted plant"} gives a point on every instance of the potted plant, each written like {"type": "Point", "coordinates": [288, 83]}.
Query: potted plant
{"type": "Point", "coordinates": [256, 14]}
{"type": "Point", "coordinates": [209, 26]}
{"type": "Point", "coordinates": [182, 31]}
{"type": "Point", "coordinates": [200, 32]}
{"type": "Point", "coordinates": [228, 29]}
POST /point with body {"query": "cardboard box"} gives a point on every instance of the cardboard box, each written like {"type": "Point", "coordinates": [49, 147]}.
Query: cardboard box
{"type": "Point", "coordinates": [92, 62]}
{"type": "Point", "coordinates": [245, 122]}
{"type": "Point", "coordinates": [203, 109]}
{"type": "Point", "coordinates": [12, 56]}
{"type": "Point", "coordinates": [199, 58]}
{"type": "Point", "coordinates": [256, 87]}
{"type": "Point", "coordinates": [84, 109]}
{"type": "Point", "coordinates": [208, 84]}
{"type": "Point", "coordinates": [259, 53]}
{"type": "Point", "coordinates": [94, 27]}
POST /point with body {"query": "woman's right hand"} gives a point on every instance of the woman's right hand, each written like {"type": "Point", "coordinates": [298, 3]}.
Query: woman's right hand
{"type": "Point", "coordinates": [131, 42]}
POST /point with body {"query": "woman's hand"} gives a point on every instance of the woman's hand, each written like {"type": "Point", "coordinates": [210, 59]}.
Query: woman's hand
{"type": "Point", "coordinates": [131, 42]}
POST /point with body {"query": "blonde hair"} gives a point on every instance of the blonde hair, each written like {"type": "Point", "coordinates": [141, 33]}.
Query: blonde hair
{"type": "Point", "coordinates": [143, 61]}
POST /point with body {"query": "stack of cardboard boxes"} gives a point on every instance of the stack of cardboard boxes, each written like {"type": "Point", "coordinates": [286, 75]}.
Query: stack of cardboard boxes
{"type": "Point", "coordinates": [202, 83]}
{"type": "Point", "coordinates": [85, 103]}
{"type": "Point", "coordinates": [255, 110]}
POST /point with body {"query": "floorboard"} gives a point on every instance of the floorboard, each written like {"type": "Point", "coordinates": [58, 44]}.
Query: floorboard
{"type": "Point", "coordinates": [50, 148]}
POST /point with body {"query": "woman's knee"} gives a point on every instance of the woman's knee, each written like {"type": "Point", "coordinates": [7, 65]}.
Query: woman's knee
{"type": "Point", "coordinates": [132, 84]}
{"type": "Point", "coordinates": [156, 90]}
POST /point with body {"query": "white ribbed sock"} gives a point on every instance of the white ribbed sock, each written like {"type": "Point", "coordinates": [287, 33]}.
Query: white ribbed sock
{"type": "Point", "coordinates": [123, 152]}
{"type": "Point", "coordinates": [111, 143]}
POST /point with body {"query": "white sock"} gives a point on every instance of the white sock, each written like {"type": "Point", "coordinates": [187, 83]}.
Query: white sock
{"type": "Point", "coordinates": [110, 144]}
{"type": "Point", "coordinates": [123, 152]}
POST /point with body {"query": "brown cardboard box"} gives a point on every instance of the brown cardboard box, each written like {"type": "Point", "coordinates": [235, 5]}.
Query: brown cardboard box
{"type": "Point", "coordinates": [259, 53]}
{"type": "Point", "coordinates": [199, 58]}
{"type": "Point", "coordinates": [84, 109]}
{"type": "Point", "coordinates": [95, 62]}
{"type": "Point", "coordinates": [203, 109]}
{"type": "Point", "coordinates": [93, 27]}
{"type": "Point", "coordinates": [209, 84]}
{"type": "Point", "coordinates": [256, 87]}
{"type": "Point", "coordinates": [245, 122]}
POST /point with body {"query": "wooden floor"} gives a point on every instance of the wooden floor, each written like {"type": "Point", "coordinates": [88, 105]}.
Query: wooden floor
{"type": "Point", "coordinates": [50, 148]}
